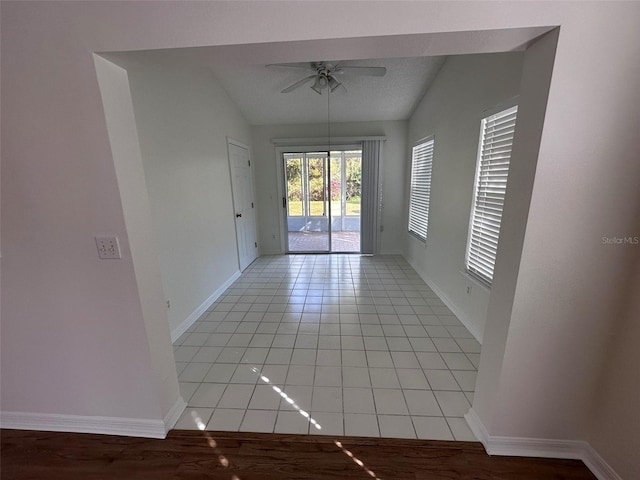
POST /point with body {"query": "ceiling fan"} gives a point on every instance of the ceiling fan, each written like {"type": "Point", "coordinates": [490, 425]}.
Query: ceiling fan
{"type": "Point", "coordinates": [325, 74]}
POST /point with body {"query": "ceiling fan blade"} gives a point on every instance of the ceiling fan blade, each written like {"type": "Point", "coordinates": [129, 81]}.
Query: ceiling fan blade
{"type": "Point", "coordinates": [300, 82]}
{"type": "Point", "coordinates": [371, 71]}
{"type": "Point", "coordinates": [289, 65]}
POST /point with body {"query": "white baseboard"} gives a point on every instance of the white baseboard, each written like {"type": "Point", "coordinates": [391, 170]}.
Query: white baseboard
{"type": "Point", "coordinates": [477, 427]}
{"type": "Point", "coordinates": [541, 447]}
{"type": "Point", "coordinates": [130, 427]}
{"type": "Point", "coordinates": [271, 252]}
{"type": "Point", "coordinates": [522, 446]}
{"type": "Point", "coordinates": [473, 329]}
{"type": "Point", "coordinates": [195, 315]}
{"type": "Point", "coordinates": [174, 413]}
{"type": "Point", "coordinates": [601, 469]}
{"type": "Point", "coordinates": [391, 252]}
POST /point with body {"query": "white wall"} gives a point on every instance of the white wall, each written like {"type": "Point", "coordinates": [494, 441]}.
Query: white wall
{"type": "Point", "coordinates": [123, 138]}
{"type": "Point", "coordinates": [270, 204]}
{"type": "Point", "coordinates": [466, 87]}
{"type": "Point", "coordinates": [532, 104]}
{"type": "Point", "coordinates": [568, 283]}
{"type": "Point", "coordinates": [614, 429]}
{"type": "Point", "coordinates": [183, 119]}
{"type": "Point", "coordinates": [73, 335]}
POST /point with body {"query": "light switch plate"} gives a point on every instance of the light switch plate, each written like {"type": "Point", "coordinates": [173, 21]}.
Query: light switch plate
{"type": "Point", "coordinates": [108, 247]}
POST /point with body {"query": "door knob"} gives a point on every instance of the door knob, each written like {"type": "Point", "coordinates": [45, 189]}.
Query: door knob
{"type": "Point", "coordinates": [238, 215]}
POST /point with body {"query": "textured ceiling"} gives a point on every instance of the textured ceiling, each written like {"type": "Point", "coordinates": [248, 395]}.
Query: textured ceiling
{"type": "Point", "coordinates": [255, 89]}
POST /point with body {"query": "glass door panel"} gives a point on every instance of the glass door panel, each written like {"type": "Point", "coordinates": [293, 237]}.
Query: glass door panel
{"type": "Point", "coordinates": [307, 202]}
{"type": "Point", "coordinates": [295, 192]}
{"type": "Point", "coordinates": [346, 174]}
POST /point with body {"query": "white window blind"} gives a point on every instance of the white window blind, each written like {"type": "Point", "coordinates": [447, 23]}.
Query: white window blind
{"type": "Point", "coordinates": [421, 161]}
{"type": "Point", "coordinates": [492, 172]}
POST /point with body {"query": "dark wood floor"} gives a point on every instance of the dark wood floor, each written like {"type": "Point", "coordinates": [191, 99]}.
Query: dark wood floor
{"type": "Point", "coordinates": [246, 456]}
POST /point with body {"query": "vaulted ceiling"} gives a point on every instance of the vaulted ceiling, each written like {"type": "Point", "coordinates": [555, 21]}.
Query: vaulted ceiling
{"type": "Point", "coordinates": [412, 63]}
{"type": "Point", "coordinates": [256, 89]}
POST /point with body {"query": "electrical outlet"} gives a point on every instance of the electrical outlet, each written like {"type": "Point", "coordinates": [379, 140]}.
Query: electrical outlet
{"type": "Point", "coordinates": [168, 304]}
{"type": "Point", "coordinates": [108, 247]}
{"type": "Point", "coordinates": [468, 289]}
{"type": "Point", "coordinates": [273, 236]}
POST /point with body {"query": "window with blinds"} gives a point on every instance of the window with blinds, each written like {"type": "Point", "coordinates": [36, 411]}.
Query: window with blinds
{"type": "Point", "coordinates": [492, 171]}
{"type": "Point", "coordinates": [421, 161]}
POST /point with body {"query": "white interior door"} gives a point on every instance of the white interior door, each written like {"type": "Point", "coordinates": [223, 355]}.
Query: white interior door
{"type": "Point", "coordinates": [243, 203]}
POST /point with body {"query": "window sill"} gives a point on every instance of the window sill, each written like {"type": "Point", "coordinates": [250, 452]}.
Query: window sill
{"type": "Point", "coordinates": [417, 238]}
{"type": "Point", "coordinates": [483, 286]}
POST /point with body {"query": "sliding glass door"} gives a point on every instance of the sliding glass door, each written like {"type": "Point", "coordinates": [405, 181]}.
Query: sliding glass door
{"type": "Point", "coordinates": [322, 201]}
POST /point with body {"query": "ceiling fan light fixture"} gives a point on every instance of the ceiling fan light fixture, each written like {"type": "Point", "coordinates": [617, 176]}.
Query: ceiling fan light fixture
{"type": "Point", "coordinates": [320, 84]}
{"type": "Point", "coordinates": [333, 83]}
{"type": "Point", "coordinates": [317, 85]}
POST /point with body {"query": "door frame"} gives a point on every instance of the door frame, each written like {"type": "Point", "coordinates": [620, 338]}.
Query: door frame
{"type": "Point", "coordinates": [305, 202]}
{"type": "Point", "coordinates": [237, 143]}
{"type": "Point", "coordinates": [296, 148]}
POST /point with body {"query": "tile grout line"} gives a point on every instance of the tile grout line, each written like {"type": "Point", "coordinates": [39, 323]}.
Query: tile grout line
{"type": "Point", "coordinates": [400, 286]}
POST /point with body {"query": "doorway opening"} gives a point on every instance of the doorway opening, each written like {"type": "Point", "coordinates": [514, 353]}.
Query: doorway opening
{"type": "Point", "coordinates": [323, 196]}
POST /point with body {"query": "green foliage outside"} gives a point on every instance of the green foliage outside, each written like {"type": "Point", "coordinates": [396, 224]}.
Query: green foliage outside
{"type": "Point", "coordinates": [315, 170]}
{"type": "Point", "coordinates": [353, 207]}
{"type": "Point", "coordinates": [316, 185]}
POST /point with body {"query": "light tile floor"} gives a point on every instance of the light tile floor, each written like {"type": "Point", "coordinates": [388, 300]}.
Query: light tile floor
{"type": "Point", "coordinates": [329, 344]}
{"type": "Point", "coordinates": [319, 241]}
